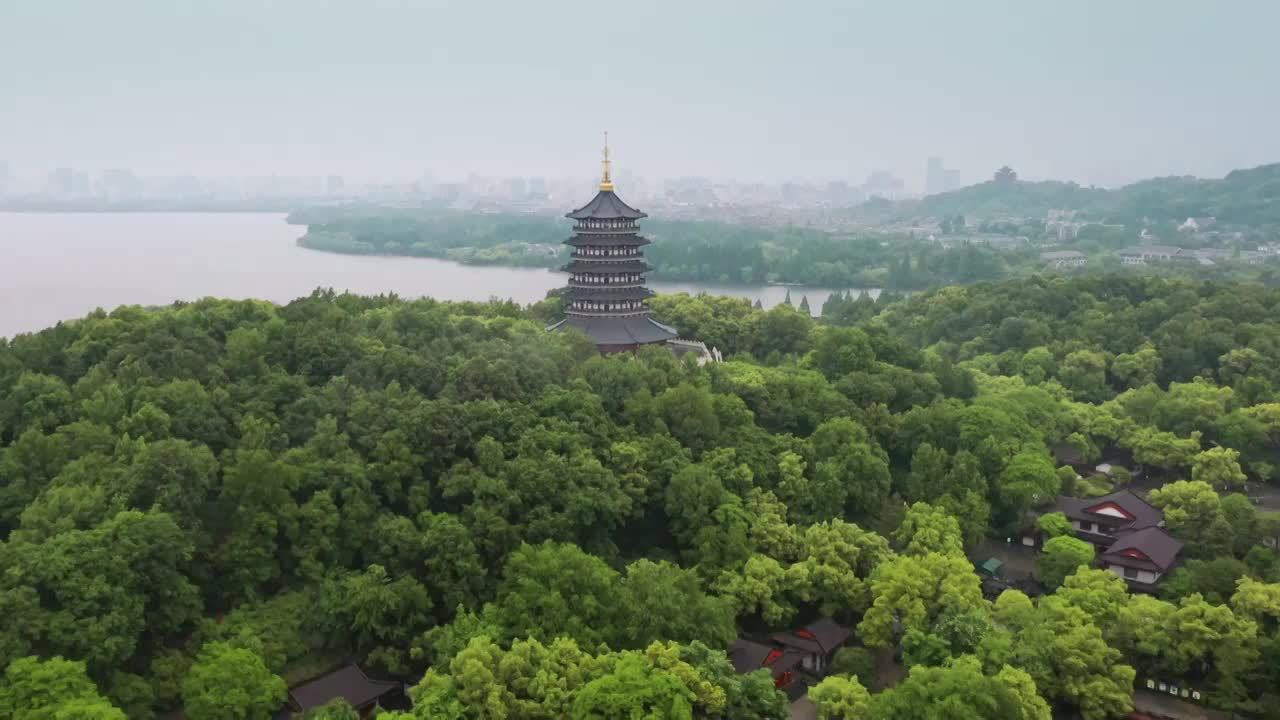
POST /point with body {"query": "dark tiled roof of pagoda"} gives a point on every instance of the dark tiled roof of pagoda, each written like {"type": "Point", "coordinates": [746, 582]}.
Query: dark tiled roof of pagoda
{"type": "Point", "coordinates": [348, 682]}
{"type": "Point", "coordinates": [607, 240]}
{"type": "Point", "coordinates": [823, 635]}
{"type": "Point", "coordinates": [577, 265]}
{"type": "Point", "coordinates": [1158, 546]}
{"type": "Point", "coordinates": [618, 330]}
{"type": "Point", "coordinates": [606, 293]}
{"type": "Point", "coordinates": [606, 205]}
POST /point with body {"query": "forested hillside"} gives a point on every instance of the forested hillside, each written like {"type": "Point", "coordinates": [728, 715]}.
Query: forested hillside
{"type": "Point", "coordinates": [1248, 197]}
{"type": "Point", "coordinates": [205, 503]}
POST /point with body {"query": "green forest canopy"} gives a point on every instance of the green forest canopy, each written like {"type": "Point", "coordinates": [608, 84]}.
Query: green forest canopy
{"type": "Point", "coordinates": [204, 502]}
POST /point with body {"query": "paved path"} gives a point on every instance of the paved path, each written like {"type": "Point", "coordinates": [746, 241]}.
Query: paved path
{"type": "Point", "coordinates": [1165, 706]}
{"type": "Point", "coordinates": [803, 709]}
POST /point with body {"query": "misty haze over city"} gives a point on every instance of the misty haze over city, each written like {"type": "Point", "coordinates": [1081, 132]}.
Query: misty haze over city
{"type": "Point", "coordinates": [1096, 92]}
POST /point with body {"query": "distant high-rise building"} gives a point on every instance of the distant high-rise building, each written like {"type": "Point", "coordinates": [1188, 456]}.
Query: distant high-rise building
{"type": "Point", "coordinates": [951, 180]}
{"type": "Point", "coordinates": [119, 184]}
{"type": "Point", "coordinates": [935, 176]}
{"type": "Point", "coordinates": [4, 177]}
{"type": "Point", "coordinates": [883, 183]}
{"type": "Point", "coordinates": [515, 188]}
{"type": "Point", "coordinates": [333, 185]}
{"type": "Point", "coordinates": [838, 192]}
{"type": "Point", "coordinates": [61, 182]}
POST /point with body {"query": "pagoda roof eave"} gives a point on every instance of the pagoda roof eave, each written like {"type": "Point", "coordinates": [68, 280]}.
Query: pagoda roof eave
{"type": "Point", "coordinates": [606, 205]}
{"type": "Point", "coordinates": [587, 266]}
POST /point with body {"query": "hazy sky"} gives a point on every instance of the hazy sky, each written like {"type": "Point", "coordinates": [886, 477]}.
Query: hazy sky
{"type": "Point", "coordinates": [1101, 91]}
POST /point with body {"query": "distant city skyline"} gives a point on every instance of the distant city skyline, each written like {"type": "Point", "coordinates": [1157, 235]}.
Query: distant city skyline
{"type": "Point", "coordinates": [813, 91]}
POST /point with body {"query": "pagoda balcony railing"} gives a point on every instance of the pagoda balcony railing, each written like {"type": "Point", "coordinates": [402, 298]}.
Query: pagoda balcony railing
{"type": "Point", "coordinates": [606, 286]}
{"type": "Point", "coordinates": [604, 258]}
{"type": "Point", "coordinates": [606, 231]}
{"type": "Point", "coordinates": [606, 313]}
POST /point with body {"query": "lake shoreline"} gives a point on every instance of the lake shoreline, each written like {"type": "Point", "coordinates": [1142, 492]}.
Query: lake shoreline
{"type": "Point", "coordinates": [66, 265]}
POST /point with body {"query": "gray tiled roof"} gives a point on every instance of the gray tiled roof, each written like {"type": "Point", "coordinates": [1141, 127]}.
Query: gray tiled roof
{"type": "Point", "coordinates": [348, 682]}
{"type": "Point", "coordinates": [606, 205]}
{"type": "Point", "coordinates": [828, 635]}
{"type": "Point", "coordinates": [1158, 545]}
{"type": "Point", "coordinates": [1144, 513]}
{"type": "Point", "coordinates": [618, 330]}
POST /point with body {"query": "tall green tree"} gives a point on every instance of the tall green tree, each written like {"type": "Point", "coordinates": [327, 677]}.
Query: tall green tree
{"type": "Point", "coordinates": [35, 689]}
{"type": "Point", "coordinates": [228, 682]}
{"type": "Point", "coordinates": [1063, 555]}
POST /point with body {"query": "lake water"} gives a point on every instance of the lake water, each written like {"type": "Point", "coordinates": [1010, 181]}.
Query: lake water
{"type": "Point", "coordinates": [60, 266]}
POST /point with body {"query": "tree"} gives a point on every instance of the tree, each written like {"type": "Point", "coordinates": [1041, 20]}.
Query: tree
{"type": "Point", "coordinates": [35, 689]}
{"type": "Point", "coordinates": [1219, 467]}
{"type": "Point", "coordinates": [836, 558]}
{"type": "Point", "coordinates": [634, 689]}
{"type": "Point", "coordinates": [370, 611]}
{"type": "Point", "coordinates": [782, 329]}
{"type": "Point", "coordinates": [928, 529]}
{"type": "Point", "coordinates": [1084, 373]}
{"type": "Point", "coordinates": [338, 709]}
{"type": "Point", "coordinates": [1138, 368]}
{"type": "Point", "coordinates": [1246, 523]}
{"type": "Point", "coordinates": [850, 481]}
{"type": "Point", "coordinates": [857, 662]}
{"type": "Point", "coordinates": [101, 589]}
{"type": "Point", "coordinates": [840, 351]}
{"type": "Point", "coordinates": [760, 587]}
{"type": "Point", "coordinates": [840, 697]}
{"type": "Point", "coordinates": [1258, 600]}
{"type": "Point", "coordinates": [748, 696]}
{"type": "Point", "coordinates": [552, 590]}
{"type": "Point", "coordinates": [928, 479]}
{"type": "Point", "coordinates": [661, 601]}
{"type": "Point", "coordinates": [960, 691]}
{"type": "Point", "coordinates": [1054, 524]}
{"type": "Point", "coordinates": [1190, 507]}
{"type": "Point", "coordinates": [1163, 449]}
{"type": "Point", "coordinates": [1062, 556]}
{"type": "Point", "coordinates": [1214, 579]}
{"type": "Point", "coordinates": [227, 682]}
{"type": "Point", "coordinates": [689, 412]}
{"type": "Point", "coordinates": [1189, 637]}
{"type": "Point", "coordinates": [1027, 481]}
{"type": "Point", "coordinates": [1070, 660]}
{"type": "Point", "coordinates": [910, 592]}
{"type": "Point", "coordinates": [1101, 594]}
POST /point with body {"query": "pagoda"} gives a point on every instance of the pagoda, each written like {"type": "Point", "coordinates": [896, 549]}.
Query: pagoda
{"type": "Point", "coordinates": [606, 297]}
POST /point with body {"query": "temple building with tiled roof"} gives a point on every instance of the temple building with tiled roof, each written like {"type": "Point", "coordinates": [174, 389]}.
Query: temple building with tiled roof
{"type": "Point", "coordinates": [1128, 534]}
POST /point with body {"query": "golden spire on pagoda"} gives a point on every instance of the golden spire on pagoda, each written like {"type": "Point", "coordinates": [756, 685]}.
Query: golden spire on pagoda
{"type": "Point", "coordinates": [606, 184]}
